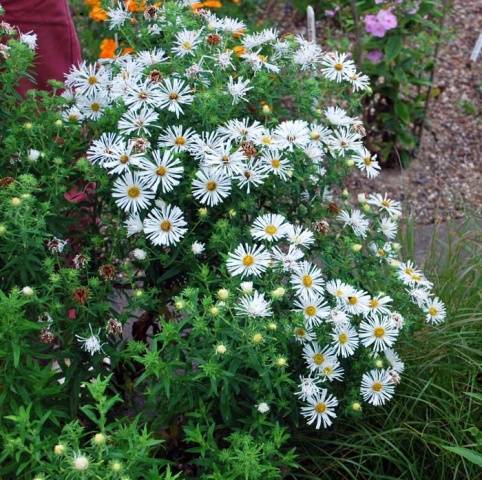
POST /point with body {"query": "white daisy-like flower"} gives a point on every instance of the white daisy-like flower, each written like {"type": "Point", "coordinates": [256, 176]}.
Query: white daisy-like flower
{"type": "Point", "coordinates": [337, 66]}
{"type": "Point", "coordinates": [258, 61]}
{"type": "Point", "coordinates": [292, 133]}
{"type": "Point", "coordinates": [356, 303]}
{"type": "Point", "coordinates": [376, 387]}
{"type": "Point", "coordinates": [388, 227]}
{"type": "Point", "coordinates": [138, 121]}
{"type": "Point", "coordinates": [248, 260]}
{"type": "Point", "coordinates": [315, 357]}
{"type": "Point", "coordinates": [246, 287]}
{"type": "Point", "coordinates": [93, 106]}
{"type": "Point", "coordinates": [355, 219]}
{"type": "Point", "coordinates": [367, 163]}
{"type": "Point", "coordinates": [147, 58]}
{"type": "Point", "coordinates": [134, 225]}
{"type": "Point", "coordinates": [435, 311]}
{"type": "Point", "coordinates": [314, 309]}
{"type": "Point", "coordinates": [358, 81]}
{"type": "Point", "coordinates": [396, 320]}
{"type": "Point", "coordinates": [241, 130]}
{"type": "Point", "coordinates": [92, 343]}
{"type": "Point", "coordinates": [288, 259]}
{"type": "Point", "coordinates": [304, 335]}
{"type": "Point", "coordinates": [308, 387]}
{"type": "Point", "coordinates": [420, 296]}
{"type": "Point", "coordinates": [103, 148]}
{"type": "Point", "coordinates": [320, 409]}
{"type": "Point", "coordinates": [177, 138]}
{"type": "Point", "coordinates": [87, 79]}
{"type": "Point", "coordinates": [378, 333]}
{"type": "Point", "coordinates": [332, 370]}
{"type": "Point", "coordinates": [275, 163]}
{"type": "Point", "coordinates": [344, 140]}
{"type": "Point", "coordinates": [262, 407]}
{"type": "Point", "coordinates": [378, 305]}
{"type": "Point", "coordinates": [254, 305]}
{"type": "Point", "coordinates": [269, 227]}
{"type": "Point", "coordinates": [117, 16]}
{"type": "Point", "coordinates": [173, 94]}
{"type": "Point", "coordinates": [338, 317]}
{"type": "Point", "coordinates": [233, 26]}
{"type": "Point", "coordinates": [224, 60]}
{"type": "Point", "coordinates": [338, 116]}
{"type": "Point", "coordinates": [307, 279]}
{"type": "Point", "coordinates": [391, 207]}
{"type": "Point", "coordinates": [308, 56]}
{"type": "Point", "coordinates": [210, 187]}
{"type": "Point", "coordinates": [252, 175]}
{"type": "Point", "coordinates": [30, 39]}
{"type": "Point", "coordinates": [132, 193]}
{"type": "Point", "coordinates": [345, 340]}
{"type": "Point", "coordinates": [165, 226]}
{"type": "Point", "coordinates": [73, 114]}
{"type": "Point", "coordinates": [224, 159]}
{"type": "Point", "coordinates": [166, 171]}
{"type": "Point", "coordinates": [238, 89]}
{"type": "Point", "coordinates": [186, 42]}
{"type": "Point", "coordinates": [299, 236]}
{"type": "Point", "coordinates": [122, 158]}
{"type": "Point", "coordinates": [143, 94]}
{"type": "Point", "coordinates": [340, 290]}
{"type": "Point", "coordinates": [394, 360]}
{"type": "Point", "coordinates": [197, 248]}
{"type": "Point", "coordinates": [205, 142]}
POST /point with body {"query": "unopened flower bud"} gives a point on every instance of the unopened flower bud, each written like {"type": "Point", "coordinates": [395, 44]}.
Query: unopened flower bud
{"type": "Point", "coordinates": [28, 291]}
{"type": "Point", "coordinates": [214, 311]}
{"type": "Point", "coordinates": [281, 362]}
{"type": "Point", "coordinates": [345, 193]}
{"type": "Point", "coordinates": [221, 349]}
{"type": "Point", "coordinates": [272, 326]}
{"type": "Point", "coordinates": [278, 292]}
{"type": "Point", "coordinates": [257, 338]}
{"type": "Point", "coordinates": [59, 449]}
{"type": "Point", "coordinates": [81, 462]}
{"type": "Point", "coordinates": [99, 439]}
{"type": "Point", "coordinates": [223, 294]}
{"type": "Point", "coordinates": [349, 162]}
{"type": "Point", "coordinates": [356, 247]}
{"type": "Point", "coordinates": [356, 406]}
{"type": "Point", "coordinates": [16, 202]}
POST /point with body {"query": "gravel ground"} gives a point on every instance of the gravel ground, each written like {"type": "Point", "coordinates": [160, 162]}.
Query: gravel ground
{"type": "Point", "coordinates": [445, 178]}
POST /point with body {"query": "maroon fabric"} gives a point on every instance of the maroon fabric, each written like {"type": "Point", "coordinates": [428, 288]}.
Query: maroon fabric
{"type": "Point", "coordinates": [58, 44]}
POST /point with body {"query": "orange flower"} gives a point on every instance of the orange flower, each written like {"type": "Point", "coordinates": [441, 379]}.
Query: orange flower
{"type": "Point", "coordinates": [207, 4]}
{"type": "Point", "coordinates": [135, 5]}
{"type": "Point", "coordinates": [127, 50]}
{"type": "Point", "coordinates": [98, 14]}
{"type": "Point", "coordinates": [92, 3]}
{"type": "Point", "coordinates": [239, 50]}
{"type": "Point", "coordinates": [107, 48]}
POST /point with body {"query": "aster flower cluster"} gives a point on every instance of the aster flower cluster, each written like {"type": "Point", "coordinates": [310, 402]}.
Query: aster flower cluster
{"type": "Point", "coordinates": [189, 126]}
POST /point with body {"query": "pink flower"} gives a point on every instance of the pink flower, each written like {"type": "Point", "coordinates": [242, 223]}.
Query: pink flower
{"type": "Point", "coordinates": [72, 314]}
{"type": "Point", "coordinates": [387, 19]}
{"type": "Point", "coordinates": [375, 56]}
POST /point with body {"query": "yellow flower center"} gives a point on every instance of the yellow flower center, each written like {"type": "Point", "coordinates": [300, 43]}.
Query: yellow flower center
{"type": "Point", "coordinates": [173, 96]}
{"type": "Point", "coordinates": [211, 185]}
{"type": "Point", "coordinates": [248, 260]}
{"type": "Point", "coordinates": [166, 225]}
{"type": "Point", "coordinates": [310, 310]}
{"type": "Point", "coordinates": [386, 203]}
{"type": "Point", "coordinates": [367, 161]}
{"type": "Point", "coordinates": [314, 136]}
{"type": "Point", "coordinates": [343, 338]}
{"type": "Point", "coordinates": [95, 107]}
{"type": "Point", "coordinates": [92, 80]}
{"type": "Point", "coordinates": [161, 171]}
{"type": "Point", "coordinates": [124, 158]}
{"type": "Point", "coordinates": [339, 67]}
{"type": "Point", "coordinates": [266, 140]}
{"type": "Point", "coordinates": [276, 162]}
{"type": "Point", "coordinates": [300, 332]}
{"type": "Point", "coordinates": [225, 159]}
{"type": "Point", "coordinates": [373, 303]}
{"type": "Point", "coordinates": [327, 371]}
{"type": "Point", "coordinates": [379, 332]}
{"type": "Point", "coordinates": [339, 293]}
{"type": "Point", "coordinates": [180, 141]}
{"type": "Point", "coordinates": [352, 300]}
{"type": "Point", "coordinates": [270, 229]}
{"type": "Point", "coordinates": [320, 407]}
{"type": "Point", "coordinates": [318, 358]}
{"type": "Point", "coordinates": [433, 311]}
{"type": "Point", "coordinates": [187, 45]}
{"type": "Point", "coordinates": [307, 281]}
{"type": "Point", "coordinates": [134, 192]}
{"type": "Point", "coordinates": [377, 387]}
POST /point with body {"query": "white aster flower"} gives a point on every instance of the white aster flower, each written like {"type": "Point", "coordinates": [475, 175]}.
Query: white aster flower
{"type": "Point", "coordinates": [210, 187]}
{"type": "Point", "coordinates": [304, 335]}
{"type": "Point", "coordinates": [289, 260]}
{"type": "Point", "coordinates": [238, 89]}
{"type": "Point", "coordinates": [345, 340]}
{"type": "Point", "coordinates": [391, 207]}
{"type": "Point", "coordinates": [356, 303]}
{"type": "Point", "coordinates": [378, 305]}
{"type": "Point", "coordinates": [275, 163]}
{"type": "Point", "coordinates": [367, 163]}
{"type": "Point", "coordinates": [166, 171]}
{"type": "Point", "coordinates": [132, 193]}
{"type": "Point", "coordinates": [376, 387]}
{"type": "Point", "coordinates": [252, 175]}
{"type": "Point", "coordinates": [299, 236]}
{"type": "Point", "coordinates": [292, 133]}
{"type": "Point", "coordinates": [269, 227]}
{"type": "Point", "coordinates": [248, 260]}
{"type": "Point", "coordinates": [177, 138]}
{"type": "Point", "coordinates": [122, 158]}
{"type": "Point", "coordinates": [388, 227]}
{"type": "Point", "coordinates": [308, 387]}
{"type": "Point", "coordinates": [134, 225]}
{"type": "Point", "coordinates": [141, 94]}
{"type": "Point", "coordinates": [307, 279]}
{"type": "Point", "coordinates": [320, 409]}
{"type": "Point", "coordinates": [30, 39]}
{"type": "Point", "coordinates": [314, 309]}
{"type": "Point", "coordinates": [197, 247]}
{"type": "Point", "coordinates": [165, 226]}
{"type": "Point", "coordinates": [337, 67]}
{"type": "Point", "coordinates": [173, 94]}
{"type": "Point", "coordinates": [378, 333]}
{"type": "Point", "coordinates": [355, 219]}
{"type": "Point", "coordinates": [315, 357]}
{"type": "Point", "coordinates": [254, 305]}
{"type": "Point", "coordinates": [224, 159]}
{"type": "Point", "coordinates": [396, 363]}
{"type": "Point", "coordinates": [87, 80]}
{"type": "Point", "coordinates": [92, 343]}
{"type": "Point", "coordinates": [340, 290]}
{"type": "Point", "coordinates": [93, 106]}
{"type": "Point", "coordinates": [186, 42]}
{"type": "Point", "coordinates": [435, 311]}
{"type": "Point", "coordinates": [262, 407]}
{"type": "Point", "coordinates": [332, 370]}
{"type": "Point", "coordinates": [344, 140]}
{"type": "Point", "coordinates": [138, 121]}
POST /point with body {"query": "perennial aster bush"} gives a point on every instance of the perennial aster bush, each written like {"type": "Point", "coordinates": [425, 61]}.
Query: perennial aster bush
{"type": "Point", "coordinates": [224, 148]}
